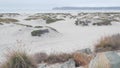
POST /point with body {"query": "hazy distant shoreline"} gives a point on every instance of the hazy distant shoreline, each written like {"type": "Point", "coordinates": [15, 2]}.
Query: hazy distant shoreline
{"type": "Point", "coordinates": [55, 11]}
{"type": "Point", "coordinates": [86, 8]}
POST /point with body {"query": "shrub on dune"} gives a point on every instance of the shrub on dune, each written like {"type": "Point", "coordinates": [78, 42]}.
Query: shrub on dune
{"type": "Point", "coordinates": [8, 20]}
{"type": "Point", "coordinates": [58, 58]}
{"type": "Point", "coordinates": [50, 20]}
{"type": "Point", "coordinates": [32, 18]}
{"type": "Point", "coordinates": [52, 58]}
{"type": "Point", "coordinates": [39, 32]}
{"type": "Point", "coordinates": [103, 22]}
{"type": "Point", "coordinates": [81, 59]}
{"type": "Point", "coordinates": [19, 59]}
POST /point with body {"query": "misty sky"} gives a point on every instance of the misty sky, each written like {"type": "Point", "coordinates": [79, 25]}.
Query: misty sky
{"type": "Point", "coordinates": [49, 4]}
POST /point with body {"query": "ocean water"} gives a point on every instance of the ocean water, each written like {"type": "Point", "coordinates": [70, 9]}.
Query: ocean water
{"type": "Point", "coordinates": [53, 11]}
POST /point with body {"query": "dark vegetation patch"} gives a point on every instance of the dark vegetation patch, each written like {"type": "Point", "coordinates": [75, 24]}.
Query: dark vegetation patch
{"type": "Point", "coordinates": [32, 18]}
{"type": "Point", "coordinates": [39, 32]}
{"type": "Point", "coordinates": [8, 20]}
{"type": "Point", "coordinates": [103, 22]}
{"type": "Point", "coordinates": [23, 24]}
{"type": "Point", "coordinates": [50, 20]}
{"type": "Point", "coordinates": [38, 27]}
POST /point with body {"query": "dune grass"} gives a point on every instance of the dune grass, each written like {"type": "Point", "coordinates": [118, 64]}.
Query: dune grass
{"type": "Point", "coordinates": [18, 59]}
{"type": "Point", "coordinates": [108, 43]}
